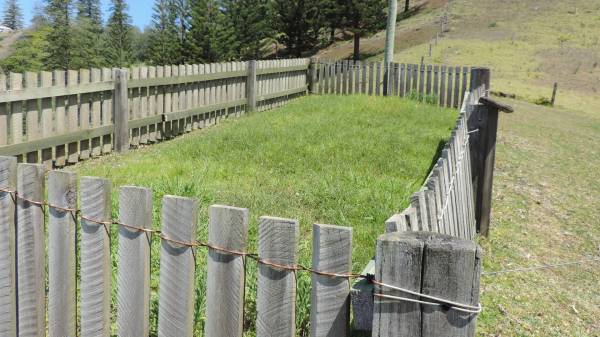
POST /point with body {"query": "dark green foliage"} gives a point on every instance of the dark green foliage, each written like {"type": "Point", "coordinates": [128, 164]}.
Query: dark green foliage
{"type": "Point", "coordinates": [119, 35]}
{"type": "Point", "coordinates": [334, 15]}
{"type": "Point", "coordinates": [88, 43]}
{"type": "Point", "coordinates": [29, 53]}
{"type": "Point", "coordinates": [211, 37]}
{"type": "Point", "coordinates": [363, 17]}
{"type": "Point", "coordinates": [251, 21]}
{"type": "Point", "coordinates": [300, 23]}
{"type": "Point", "coordinates": [13, 16]}
{"type": "Point", "coordinates": [164, 46]}
{"type": "Point", "coordinates": [59, 37]}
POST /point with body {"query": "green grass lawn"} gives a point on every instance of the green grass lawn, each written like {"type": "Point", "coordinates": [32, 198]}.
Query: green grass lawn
{"type": "Point", "coordinates": [350, 161]}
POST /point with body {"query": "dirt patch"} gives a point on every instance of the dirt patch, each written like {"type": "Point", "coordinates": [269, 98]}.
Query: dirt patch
{"type": "Point", "coordinates": [574, 68]}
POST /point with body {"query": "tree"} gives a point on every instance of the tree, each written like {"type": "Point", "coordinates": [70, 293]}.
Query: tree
{"type": "Point", "coordinates": [183, 17]}
{"type": "Point", "coordinates": [29, 53]}
{"type": "Point", "coordinates": [39, 18]}
{"type": "Point", "coordinates": [119, 35]}
{"type": "Point", "coordinates": [364, 17]}
{"type": "Point", "coordinates": [406, 6]}
{"type": "Point", "coordinates": [251, 21]}
{"type": "Point", "coordinates": [211, 35]}
{"type": "Point", "coordinates": [88, 44]}
{"type": "Point", "coordinates": [13, 16]}
{"type": "Point", "coordinates": [59, 36]}
{"type": "Point", "coordinates": [164, 47]}
{"type": "Point", "coordinates": [300, 23]}
{"type": "Point", "coordinates": [333, 13]}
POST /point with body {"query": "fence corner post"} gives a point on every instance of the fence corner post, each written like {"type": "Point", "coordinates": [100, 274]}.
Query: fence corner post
{"type": "Point", "coordinates": [121, 111]}
{"type": "Point", "coordinates": [480, 82]}
{"type": "Point", "coordinates": [251, 86]}
{"type": "Point", "coordinates": [312, 75]}
{"type": "Point", "coordinates": [422, 262]}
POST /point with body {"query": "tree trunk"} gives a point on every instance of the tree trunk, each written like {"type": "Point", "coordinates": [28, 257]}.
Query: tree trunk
{"type": "Point", "coordinates": [406, 6]}
{"type": "Point", "coordinates": [356, 46]}
{"type": "Point", "coordinates": [332, 35]}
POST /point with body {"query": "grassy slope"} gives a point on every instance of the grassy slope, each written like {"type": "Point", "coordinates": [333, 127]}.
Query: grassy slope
{"type": "Point", "coordinates": [546, 189]}
{"type": "Point", "coordinates": [351, 161]}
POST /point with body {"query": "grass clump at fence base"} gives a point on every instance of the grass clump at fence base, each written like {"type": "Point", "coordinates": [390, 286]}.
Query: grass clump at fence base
{"type": "Point", "coordinates": [345, 160]}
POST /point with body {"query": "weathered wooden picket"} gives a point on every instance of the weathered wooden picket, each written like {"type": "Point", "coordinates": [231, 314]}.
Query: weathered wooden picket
{"type": "Point", "coordinates": [63, 117]}
{"type": "Point", "coordinates": [445, 85]}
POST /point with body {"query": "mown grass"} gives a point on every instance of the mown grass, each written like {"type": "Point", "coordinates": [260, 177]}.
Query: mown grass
{"type": "Point", "coordinates": [350, 161]}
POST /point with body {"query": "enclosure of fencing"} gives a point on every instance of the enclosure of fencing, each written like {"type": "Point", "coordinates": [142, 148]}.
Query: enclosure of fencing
{"type": "Point", "coordinates": [431, 241]}
{"type": "Point", "coordinates": [62, 117]}
{"type": "Point", "coordinates": [439, 84]}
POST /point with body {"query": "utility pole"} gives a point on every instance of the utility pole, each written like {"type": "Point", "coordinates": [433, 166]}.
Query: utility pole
{"type": "Point", "coordinates": [390, 36]}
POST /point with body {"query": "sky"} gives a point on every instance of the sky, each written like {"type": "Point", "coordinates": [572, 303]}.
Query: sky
{"type": "Point", "coordinates": [139, 10]}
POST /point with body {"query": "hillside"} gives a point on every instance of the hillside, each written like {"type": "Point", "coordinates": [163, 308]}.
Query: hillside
{"type": "Point", "coordinates": [7, 40]}
{"type": "Point", "coordinates": [545, 209]}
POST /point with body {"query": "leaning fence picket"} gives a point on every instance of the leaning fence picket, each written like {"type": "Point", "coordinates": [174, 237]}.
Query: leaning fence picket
{"type": "Point", "coordinates": [133, 278]}
{"type": "Point", "coordinates": [96, 271]}
{"type": "Point", "coordinates": [62, 192]}
{"type": "Point", "coordinates": [276, 297]}
{"type": "Point", "coordinates": [228, 229]}
{"type": "Point", "coordinates": [330, 299]}
{"type": "Point", "coordinates": [8, 282]}
{"type": "Point", "coordinates": [31, 251]}
{"type": "Point", "coordinates": [176, 287]}
{"type": "Point", "coordinates": [46, 120]}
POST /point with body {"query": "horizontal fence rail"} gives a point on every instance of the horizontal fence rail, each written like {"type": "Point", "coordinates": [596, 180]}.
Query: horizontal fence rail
{"type": "Point", "coordinates": [61, 117]}
{"type": "Point", "coordinates": [439, 84]}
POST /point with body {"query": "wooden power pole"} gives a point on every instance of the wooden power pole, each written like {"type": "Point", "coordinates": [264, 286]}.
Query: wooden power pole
{"type": "Point", "coordinates": [390, 36]}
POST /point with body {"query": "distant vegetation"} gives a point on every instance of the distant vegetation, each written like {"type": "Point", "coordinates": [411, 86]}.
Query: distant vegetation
{"type": "Point", "coordinates": [70, 34]}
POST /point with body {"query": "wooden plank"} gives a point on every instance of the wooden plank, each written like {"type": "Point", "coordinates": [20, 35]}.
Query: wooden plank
{"type": "Point", "coordinates": [344, 64]}
{"type": "Point", "coordinates": [449, 258]}
{"type": "Point", "coordinates": [47, 120]}
{"type": "Point", "coordinates": [350, 71]}
{"type": "Point", "coordinates": [450, 73]}
{"type": "Point", "coordinates": [4, 120]}
{"type": "Point", "coordinates": [251, 86]}
{"type": "Point", "coordinates": [436, 82]}
{"type": "Point", "coordinates": [31, 252]}
{"type": "Point", "coordinates": [429, 78]}
{"type": "Point", "coordinates": [465, 80]}
{"type": "Point", "coordinates": [276, 299]}
{"type": "Point", "coordinates": [398, 262]}
{"type": "Point", "coordinates": [370, 79]}
{"type": "Point", "coordinates": [176, 292]}
{"type": "Point", "coordinates": [96, 268]}
{"type": "Point", "coordinates": [61, 104]}
{"type": "Point", "coordinates": [357, 78]}
{"type": "Point", "coordinates": [338, 78]}
{"type": "Point", "coordinates": [22, 94]}
{"type": "Point", "coordinates": [8, 282]}
{"type": "Point", "coordinates": [173, 81]}
{"type": "Point", "coordinates": [144, 106]}
{"type": "Point", "coordinates": [160, 103]}
{"type": "Point", "coordinates": [16, 110]}
{"type": "Point", "coordinates": [84, 114]}
{"type": "Point", "coordinates": [107, 110]}
{"type": "Point", "coordinates": [330, 297]}
{"type": "Point", "coordinates": [402, 80]}
{"type": "Point", "coordinates": [443, 86]}
{"type": "Point", "coordinates": [378, 83]}
{"type": "Point", "coordinates": [32, 114]}
{"type": "Point", "coordinates": [421, 80]}
{"type": "Point", "coordinates": [195, 97]}
{"type": "Point", "coordinates": [121, 111]}
{"type": "Point", "coordinates": [62, 192]}
{"type": "Point", "coordinates": [228, 229]}
{"type": "Point", "coordinates": [364, 78]}
{"type": "Point", "coordinates": [396, 223]}
{"type": "Point", "coordinates": [134, 104]}
{"type": "Point", "coordinates": [73, 117]}
{"type": "Point", "coordinates": [133, 278]}
{"type": "Point", "coordinates": [409, 79]}
{"type": "Point", "coordinates": [457, 94]}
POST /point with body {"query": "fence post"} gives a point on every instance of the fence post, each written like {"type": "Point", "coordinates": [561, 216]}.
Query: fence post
{"type": "Point", "coordinates": [484, 119]}
{"type": "Point", "coordinates": [424, 262]}
{"type": "Point", "coordinates": [480, 82]}
{"type": "Point", "coordinates": [8, 284]}
{"type": "Point", "coordinates": [554, 90]}
{"type": "Point", "coordinates": [312, 75]}
{"type": "Point", "coordinates": [251, 86]}
{"type": "Point", "coordinates": [121, 111]}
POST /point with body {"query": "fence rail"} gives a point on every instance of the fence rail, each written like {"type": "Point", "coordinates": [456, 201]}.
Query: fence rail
{"type": "Point", "coordinates": [63, 117]}
{"type": "Point", "coordinates": [440, 84]}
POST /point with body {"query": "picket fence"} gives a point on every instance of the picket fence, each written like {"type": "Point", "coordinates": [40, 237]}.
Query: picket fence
{"type": "Point", "coordinates": [441, 84]}
{"type": "Point", "coordinates": [413, 300]}
{"type": "Point", "coordinates": [62, 117]}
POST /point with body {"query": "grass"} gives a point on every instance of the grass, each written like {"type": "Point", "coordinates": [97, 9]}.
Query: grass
{"type": "Point", "coordinates": [351, 161]}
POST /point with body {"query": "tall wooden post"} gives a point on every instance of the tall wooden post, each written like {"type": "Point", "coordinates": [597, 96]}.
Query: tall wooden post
{"type": "Point", "coordinates": [554, 89]}
{"type": "Point", "coordinates": [251, 86]}
{"type": "Point", "coordinates": [390, 36]}
{"type": "Point", "coordinates": [312, 75]}
{"type": "Point", "coordinates": [121, 111]}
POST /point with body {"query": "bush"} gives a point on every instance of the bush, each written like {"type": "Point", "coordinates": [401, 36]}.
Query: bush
{"type": "Point", "coordinates": [543, 101]}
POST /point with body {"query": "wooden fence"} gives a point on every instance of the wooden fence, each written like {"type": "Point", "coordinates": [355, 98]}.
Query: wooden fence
{"type": "Point", "coordinates": [63, 117]}
{"type": "Point", "coordinates": [444, 85]}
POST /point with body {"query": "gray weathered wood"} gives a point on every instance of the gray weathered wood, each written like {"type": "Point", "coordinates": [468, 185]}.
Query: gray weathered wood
{"type": "Point", "coordinates": [8, 282]}
{"type": "Point", "coordinates": [396, 223]}
{"type": "Point", "coordinates": [276, 300]}
{"type": "Point", "coordinates": [449, 271]}
{"type": "Point", "coordinates": [46, 120]}
{"type": "Point", "coordinates": [228, 229]}
{"type": "Point", "coordinates": [72, 118]}
{"type": "Point", "coordinates": [121, 111]}
{"type": "Point", "coordinates": [133, 279]}
{"type": "Point", "coordinates": [251, 92]}
{"type": "Point", "coordinates": [96, 268]}
{"type": "Point", "coordinates": [442, 86]}
{"type": "Point", "coordinates": [31, 252]}
{"type": "Point", "coordinates": [330, 301]}
{"type": "Point", "coordinates": [62, 192]}
{"type": "Point", "coordinates": [176, 287]}
{"type": "Point", "coordinates": [398, 262]}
